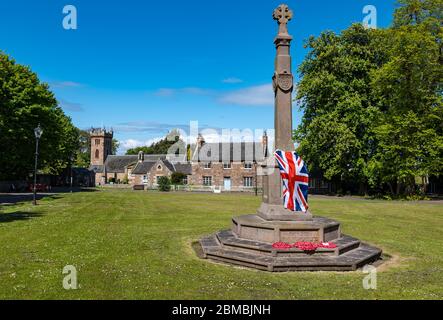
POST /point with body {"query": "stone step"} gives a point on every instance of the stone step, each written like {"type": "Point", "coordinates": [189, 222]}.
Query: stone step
{"type": "Point", "coordinates": [348, 261]}
{"type": "Point", "coordinates": [254, 227]}
{"type": "Point", "coordinates": [229, 240]}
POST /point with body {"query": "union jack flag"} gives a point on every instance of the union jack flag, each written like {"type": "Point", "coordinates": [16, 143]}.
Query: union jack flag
{"type": "Point", "coordinates": [294, 174]}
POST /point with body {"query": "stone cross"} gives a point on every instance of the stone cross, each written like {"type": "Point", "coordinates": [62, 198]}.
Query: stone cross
{"type": "Point", "coordinates": [283, 15]}
{"type": "Point", "coordinates": [283, 81]}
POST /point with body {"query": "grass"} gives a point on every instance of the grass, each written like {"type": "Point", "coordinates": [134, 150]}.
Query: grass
{"type": "Point", "coordinates": [137, 245]}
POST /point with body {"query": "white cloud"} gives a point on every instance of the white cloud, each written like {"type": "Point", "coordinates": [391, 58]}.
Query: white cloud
{"type": "Point", "coordinates": [262, 95]}
{"type": "Point", "coordinates": [127, 144]}
{"type": "Point", "coordinates": [70, 106]}
{"type": "Point", "coordinates": [65, 84]}
{"type": "Point", "coordinates": [130, 144]}
{"type": "Point", "coordinates": [232, 80]}
{"type": "Point", "coordinates": [169, 92]}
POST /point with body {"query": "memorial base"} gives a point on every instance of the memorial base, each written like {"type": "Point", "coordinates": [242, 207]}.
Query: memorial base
{"type": "Point", "coordinates": [250, 244]}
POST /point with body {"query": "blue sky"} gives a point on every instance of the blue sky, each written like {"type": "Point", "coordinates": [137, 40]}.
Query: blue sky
{"type": "Point", "coordinates": [144, 67]}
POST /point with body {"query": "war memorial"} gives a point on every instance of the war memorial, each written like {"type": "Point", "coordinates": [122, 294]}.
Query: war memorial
{"type": "Point", "coordinates": [262, 240]}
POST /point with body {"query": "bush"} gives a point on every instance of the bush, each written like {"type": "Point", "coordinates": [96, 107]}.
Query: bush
{"type": "Point", "coordinates": [177, 178]}
{"type": "Point", "coordinates": [164, 184]}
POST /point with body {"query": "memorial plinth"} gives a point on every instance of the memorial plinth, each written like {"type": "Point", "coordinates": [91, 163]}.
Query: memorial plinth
{"type": "Point", "coordinates": [250, 241]}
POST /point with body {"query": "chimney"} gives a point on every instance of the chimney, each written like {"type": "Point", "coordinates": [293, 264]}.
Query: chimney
{"type": "Point", "coordinates": [141, 156]}
{"type": "Point", "coordinates": [265, 144]}
{"type": "Point", "coordinates": [200, 141]}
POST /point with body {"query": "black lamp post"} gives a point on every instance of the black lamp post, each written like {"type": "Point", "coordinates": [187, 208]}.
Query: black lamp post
{"type": "Point", "coordinates": [38, 133]}
{"type": "Point", "coordinates": [72, 173]}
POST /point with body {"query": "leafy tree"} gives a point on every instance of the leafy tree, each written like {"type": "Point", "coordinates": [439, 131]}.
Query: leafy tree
{"type": "Point", "coordinates": [372, 101]}
{"type": "Point", "coordinates": [414, 12]}
{"type": "Point", "coordinates": [24, 103]}
{"type": "Point", "coordinates": [409, 85]}
{"type": "Point", "coordinates": [135, 151]}
{"type": "Point", "coordinates": [161, 147]}
{"type": "Point", "coordinates": [83, 155]}
{"type": "Point", "coordinates": [164, 184]}
{"type": "Point", "coordinates": [335, 135]}
{"type": "Point", "coordinates": [177, 178]}
{"type": "Point", "coordinates": [115, 146]}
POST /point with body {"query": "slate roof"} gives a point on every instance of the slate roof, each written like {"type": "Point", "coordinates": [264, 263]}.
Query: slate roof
{"type": "Point", "coordinates": [143, 167]}
{"type": "Point", "coordinates": [230, 152]}
{"type": "Point", "coordinates": [185, 168]}
{"type": "Point", "coordinates": [146, 166]}
{"type": "Point", "coordinates": [96, 168]}
{"type": "Point", "coordinates": [154, 157]}
{"type": "Point", "coordinates": [117, 164]}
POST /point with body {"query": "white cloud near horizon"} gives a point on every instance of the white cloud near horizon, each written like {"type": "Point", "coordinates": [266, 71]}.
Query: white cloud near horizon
{"type": "Point", "coordinates": [232, 80]}
{"type": "Point", "coordinates": [261, 95]}
{"type": "Point", "coordinates": [65, 84]}
{"type": "Point", "coordinates": [127, 144]}
{"type": "Point", "coordinates": [169, 92]}
{"type": "Point", "coordinates": [70, 106]}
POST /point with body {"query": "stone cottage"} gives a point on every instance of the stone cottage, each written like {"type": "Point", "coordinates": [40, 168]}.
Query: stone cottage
{"type": "Point", "coordinates": [222, 166]}
{"type": "Point", "coordinates": [132, 169]}
{"type": "Point", "coordinates": [228, 166]}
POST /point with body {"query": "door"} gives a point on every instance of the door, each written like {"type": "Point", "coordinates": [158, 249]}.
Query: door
{"type": "Point", "coordinates": [227, 183]}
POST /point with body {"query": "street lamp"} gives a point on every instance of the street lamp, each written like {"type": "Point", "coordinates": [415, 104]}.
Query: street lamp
{"type": "Point", "coordinates": [72, 175]}
{"type": "Point", "coordinates": [38, 133]}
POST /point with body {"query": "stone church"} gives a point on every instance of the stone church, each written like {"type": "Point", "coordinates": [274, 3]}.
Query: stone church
{"type": "Point", "coordinates": [210, 166]}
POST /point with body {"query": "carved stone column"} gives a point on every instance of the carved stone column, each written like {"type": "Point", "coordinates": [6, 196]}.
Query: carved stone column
{"type": "Point", "coordinates": [283, 82]}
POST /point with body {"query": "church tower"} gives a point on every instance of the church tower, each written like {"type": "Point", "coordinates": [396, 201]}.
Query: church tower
{"type": "Point", "coordinates": [101, 145]}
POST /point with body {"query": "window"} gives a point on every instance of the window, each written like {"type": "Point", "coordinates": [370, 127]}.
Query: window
{"type": "Point", "coordinates": [227, 165]}
{"type": "Point", "coordinates": [97, 154]}
{"type": "Point", "coordinates": [248, 165]}
{"type": "Point", "coordinates": [207, 181]}
{"type": "Point", "coordinates": [208, 165]}
{"type": "Point", "coordinates": [248, 182]}
{"type": "Point", "coordinates": [97, 142]}
{"type": "Point", "coordinates": [159, 167]}
{"type": "Point", "coordinates": [145, 180]}
{"type": "Point", "coordinates": [185, 180]}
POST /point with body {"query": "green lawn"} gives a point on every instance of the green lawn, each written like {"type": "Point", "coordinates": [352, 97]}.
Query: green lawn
{"type": "Point", "coordinates": [137, 245]}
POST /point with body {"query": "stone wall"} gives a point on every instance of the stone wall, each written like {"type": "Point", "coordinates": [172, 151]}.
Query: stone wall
{"type": "Point", "coordinates": [236, 173]}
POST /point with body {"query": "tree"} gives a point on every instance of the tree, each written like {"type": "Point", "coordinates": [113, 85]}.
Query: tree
{"type": "Point", "coordinates": [409, 85]}
{"type": "Point", "coordinates": [177, 178]}
{"type": "Point", "coordinates": [415, 12]}
{"type": "Point", "coordinates": [164, 184]}
{"type": "Point", "coordinates": [372, 101]}
{"type": "Point", "coordinates": [335, 135]}
{"type": "Point", "coordinates": [163, 146]}
{"type": "Point", "coordinates": [83, 155]}
{"type": "Point", "coordinates": [24, 103]}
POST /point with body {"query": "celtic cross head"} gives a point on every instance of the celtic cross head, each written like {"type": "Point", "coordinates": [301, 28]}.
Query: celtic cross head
{"type": "Point", "coordinates": [283, 15]}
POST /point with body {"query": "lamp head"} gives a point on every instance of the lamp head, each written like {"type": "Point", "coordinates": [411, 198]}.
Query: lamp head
{"type": "Point", "coordinates": [38, 132]}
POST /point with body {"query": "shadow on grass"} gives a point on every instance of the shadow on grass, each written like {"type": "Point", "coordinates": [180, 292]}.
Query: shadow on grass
{"type": "Point", "coordinates": [18, 216]}
{"type": "Point", "coordinates": [57, 193]}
